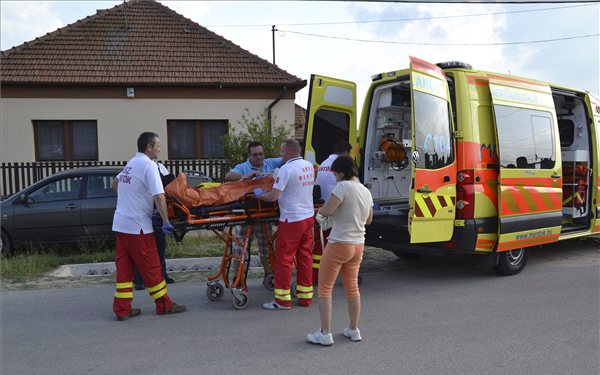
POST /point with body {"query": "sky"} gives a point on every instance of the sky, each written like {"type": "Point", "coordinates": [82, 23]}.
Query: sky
{"type": "Point", "coordinates": [355, 40]}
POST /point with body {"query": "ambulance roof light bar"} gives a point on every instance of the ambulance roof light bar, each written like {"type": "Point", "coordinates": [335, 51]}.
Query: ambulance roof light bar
{"type": "Point", "coordinates": [454, 64]}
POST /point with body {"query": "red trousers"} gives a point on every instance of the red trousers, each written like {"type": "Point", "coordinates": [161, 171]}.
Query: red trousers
{"type": "Point", "coordinates": [294, 240]}
{"type": "Point", "coordinates": [318, 251]}
{"type": "Point", "coordinates": [139, 251]}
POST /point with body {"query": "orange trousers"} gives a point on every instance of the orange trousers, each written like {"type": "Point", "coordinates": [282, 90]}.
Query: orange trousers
{"type": "Point", "coordinates": [341, 258]}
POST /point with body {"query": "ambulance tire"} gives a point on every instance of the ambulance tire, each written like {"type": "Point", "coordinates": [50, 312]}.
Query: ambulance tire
{"type": "Point", "coordinates": [406, 256]}
{"type": "Point", "coordinates": [511, 262]}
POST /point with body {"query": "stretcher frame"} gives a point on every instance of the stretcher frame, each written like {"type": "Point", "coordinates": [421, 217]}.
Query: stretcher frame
{"type": "Point", "coordinates": [221, 220]}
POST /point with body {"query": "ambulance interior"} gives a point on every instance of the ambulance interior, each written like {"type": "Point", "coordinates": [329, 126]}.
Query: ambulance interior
{"type": "Point", "coordinates": [576, 161]}
{"type": "Point", "coordinates": [388, 146]}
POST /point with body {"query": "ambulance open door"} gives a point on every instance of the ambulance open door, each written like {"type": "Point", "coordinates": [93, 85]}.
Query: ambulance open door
{"type": "Point", "coordinates": [331, 115]}
{"type": "Point", "coordinates": [433, 192]}
{"type": "Point", "coordinates": [593, 104]}
{"type": "Point", "coordinates": [530, 175]}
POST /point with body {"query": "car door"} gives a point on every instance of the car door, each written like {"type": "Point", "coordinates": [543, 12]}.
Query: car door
{"type": "Point", "coordinates": [98, 207]}
{"type": "Point", "coordinates": [530, 178]}
{"type": "Point", "coordinates": [331, 116]}
{"type": "Point", "coordinates": [51, 212]}
{"type": "Point", "coordinates": [433, 193]}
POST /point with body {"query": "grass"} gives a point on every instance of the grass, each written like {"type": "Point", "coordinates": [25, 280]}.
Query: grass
{"type": "Point", "coordinates": [36, 261]}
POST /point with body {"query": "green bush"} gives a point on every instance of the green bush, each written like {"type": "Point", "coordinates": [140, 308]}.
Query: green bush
{"type": "Point", "coordinates": [255, 128]}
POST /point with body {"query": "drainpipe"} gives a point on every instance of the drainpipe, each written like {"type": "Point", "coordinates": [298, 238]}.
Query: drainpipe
{"type": "Point", "coordinates": [272, 105]}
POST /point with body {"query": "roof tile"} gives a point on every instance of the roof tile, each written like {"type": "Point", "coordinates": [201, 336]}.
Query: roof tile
{"type": "Point", "coordinates": [139, 42]}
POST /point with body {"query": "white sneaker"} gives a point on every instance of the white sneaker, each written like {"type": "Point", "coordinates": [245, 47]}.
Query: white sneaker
{"type": "Point", "coordinates": [273, 305]}
{"type": "Point", "coordinates": [320, 338]}
{"type": "Point", "coordinates": [352, 334]}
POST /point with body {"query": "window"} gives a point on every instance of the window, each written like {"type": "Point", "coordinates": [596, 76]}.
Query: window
{"type": "Point", "coordinates": [66, 139]}
{"type": "Point", "coordinates": [100, 186]}
{"type": "Point", "coordinates": [196, 139]}
{"type": "Point", "coordinates": [433, 135]}
{"type": "Point", "coordinates": [328, 128]}
{"type": "Point", "coordinates": [525, 138]}
{"type": "Point", "coordinates": [59, 190]}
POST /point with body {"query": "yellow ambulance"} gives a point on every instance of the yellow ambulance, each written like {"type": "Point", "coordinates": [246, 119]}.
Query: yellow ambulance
{"type": "Point", "coordinates": [465, 161]}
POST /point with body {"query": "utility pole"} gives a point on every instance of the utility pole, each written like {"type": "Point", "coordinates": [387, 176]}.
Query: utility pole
{"type": "Point", "coordinates": [273, 29]}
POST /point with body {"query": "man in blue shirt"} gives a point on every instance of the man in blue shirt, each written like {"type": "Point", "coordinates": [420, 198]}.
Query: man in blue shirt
{"type": "Point", "coordinates": [256, 165]}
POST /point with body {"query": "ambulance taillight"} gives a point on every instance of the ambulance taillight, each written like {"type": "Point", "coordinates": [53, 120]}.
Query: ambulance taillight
{"type": "Point", "coordinates": [465, 194]}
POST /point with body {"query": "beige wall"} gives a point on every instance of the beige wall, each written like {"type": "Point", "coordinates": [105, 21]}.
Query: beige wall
{"type": "Point", "coordinates": [120, 121]}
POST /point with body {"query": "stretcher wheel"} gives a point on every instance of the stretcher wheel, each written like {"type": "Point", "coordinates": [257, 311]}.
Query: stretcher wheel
{"type": "Point", "coordinates": [269, 282]}
{"type": "Point", "coordinates": [293, 289]}
{"type": "Point", "coordinates": [240, 300]}
{"type": "Point", "coordinates": [215, 291]}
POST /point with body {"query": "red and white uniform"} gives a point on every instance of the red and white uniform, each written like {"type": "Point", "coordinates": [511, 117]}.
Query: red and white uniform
{"type": "Point", "coordinates": [139, 182]}
{"type": "Point", "coordinates": [326, 180]}
{"type": "Point", "coordinates": [295, 180]}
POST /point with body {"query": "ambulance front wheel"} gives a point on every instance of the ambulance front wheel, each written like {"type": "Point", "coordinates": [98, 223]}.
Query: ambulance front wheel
{"type": "Point", "coordinates": [511, 262]}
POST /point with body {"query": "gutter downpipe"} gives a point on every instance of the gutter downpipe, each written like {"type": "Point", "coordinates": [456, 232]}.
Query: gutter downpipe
{"type": "Point", "coordinates": [272, 105]}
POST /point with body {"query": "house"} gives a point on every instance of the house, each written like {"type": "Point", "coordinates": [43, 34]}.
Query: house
{"type": "Point", "coordinates": [87, 90]}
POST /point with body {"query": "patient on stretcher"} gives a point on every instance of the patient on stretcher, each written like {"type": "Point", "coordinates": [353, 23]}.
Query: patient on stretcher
{"type": "Point", "coordinates": [220, 195]}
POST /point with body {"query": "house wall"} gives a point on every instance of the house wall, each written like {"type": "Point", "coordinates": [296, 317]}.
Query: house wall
{"type": "Point", "coordinates": [120, 121]}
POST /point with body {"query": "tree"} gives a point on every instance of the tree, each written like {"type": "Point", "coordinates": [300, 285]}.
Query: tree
{"type": "Point", "coordinates": [254, 128]}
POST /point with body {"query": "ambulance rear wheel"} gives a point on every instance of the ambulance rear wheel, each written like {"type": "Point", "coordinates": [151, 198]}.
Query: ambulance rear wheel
{"type": "Point", "coordinates": [511, 262]}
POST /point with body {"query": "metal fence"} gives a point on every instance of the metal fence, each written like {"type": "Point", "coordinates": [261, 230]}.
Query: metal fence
{"type": "Point", "coordinates": [17, 176]}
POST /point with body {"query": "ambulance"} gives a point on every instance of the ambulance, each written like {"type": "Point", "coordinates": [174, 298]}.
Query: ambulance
{"type": "Point", "coordinates": [466, 161]}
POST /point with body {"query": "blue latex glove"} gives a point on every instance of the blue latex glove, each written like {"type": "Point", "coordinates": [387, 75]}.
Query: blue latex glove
{"type": "Point", "coordinates": [168, 228]}
{"type": "Point", "coordinates": [258, 192]}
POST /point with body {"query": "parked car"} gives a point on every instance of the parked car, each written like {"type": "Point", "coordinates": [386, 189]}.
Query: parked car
{"type": "Point", "coordinates": [72, 206]}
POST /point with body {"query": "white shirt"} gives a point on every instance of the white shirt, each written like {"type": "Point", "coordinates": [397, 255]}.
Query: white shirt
{"type": "Point", "coordinates": [139, 182]}
{"type": "Point", "coordinates": [350, 217]}
{"type": "Point", "coordinates": [326, 178]}
{"type": "Point", "coordinates": [295, 180]}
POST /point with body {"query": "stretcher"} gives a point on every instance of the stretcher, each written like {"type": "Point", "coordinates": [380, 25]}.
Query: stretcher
{"type": "Point", "coordinates": [221, 220]}
{"type": "Point", "coordinates": [187, 213]}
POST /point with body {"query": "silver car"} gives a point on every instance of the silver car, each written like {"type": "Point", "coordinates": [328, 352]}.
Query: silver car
{"type": "Point", "coordinates": [72, 206]}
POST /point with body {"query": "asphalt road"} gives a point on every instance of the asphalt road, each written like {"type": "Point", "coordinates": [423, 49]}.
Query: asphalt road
{"type": "Point", "coordinates": [442, 316]}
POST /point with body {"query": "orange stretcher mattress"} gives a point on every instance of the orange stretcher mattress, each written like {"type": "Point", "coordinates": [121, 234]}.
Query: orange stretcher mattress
{"type": "Point", "coordinates": [215, 196]}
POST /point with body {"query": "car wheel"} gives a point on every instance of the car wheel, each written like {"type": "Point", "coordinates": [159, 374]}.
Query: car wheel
{"type": "Point", "coordinates": [5, 244]}
{"type": "Point", "coordinates": [511, 262]}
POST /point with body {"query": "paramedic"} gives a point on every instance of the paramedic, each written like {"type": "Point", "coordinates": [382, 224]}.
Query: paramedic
{"type": "Point", "coordinates": [293, 189]}
{"type": "Point", "coordinates": [255, 166]}
{"type": "Point", "coordinates": [161, 241]}
{"type": "Point", "coordinates": [326, 180]}
{"type": "Point", "coordinates": [351, 207]}
{"type": "Point", "coordinates": [139, 187]}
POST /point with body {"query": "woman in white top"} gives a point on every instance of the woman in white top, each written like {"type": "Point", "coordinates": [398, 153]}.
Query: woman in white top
{"type": "Point", "coordinates": [351, 208]}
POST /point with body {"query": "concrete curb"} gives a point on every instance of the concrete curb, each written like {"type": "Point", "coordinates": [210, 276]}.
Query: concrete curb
{"type": "Point", "coordinates": [173, 265]}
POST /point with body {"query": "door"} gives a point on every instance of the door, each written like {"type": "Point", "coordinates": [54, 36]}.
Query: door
{"type": "Point", "coordinates": [433, 192]}
{"type": "Point", "coordinates": [52, 212]}
{"type": "Point", "coordinates": [530, 178]}
{"type": "Point", "coordinates": [331, 116]}
{"type": "Point", "coordinates": [98, 207]}
{"type": "Point", "coordinates": [593, 104]}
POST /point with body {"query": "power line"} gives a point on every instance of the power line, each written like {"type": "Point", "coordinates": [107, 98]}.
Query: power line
{"type": "Point", "coordinates": [412, 19]}
{"type": "Point", "coordinates": [441, 44]}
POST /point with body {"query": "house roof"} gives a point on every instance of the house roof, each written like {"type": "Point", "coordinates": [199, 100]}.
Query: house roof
{"type": "Point", "coordinates": [139, 42]}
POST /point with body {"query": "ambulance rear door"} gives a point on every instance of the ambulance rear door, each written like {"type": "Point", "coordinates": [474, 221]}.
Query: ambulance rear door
{"type": "Point", "coordinates": [331, 115]}
{"type": "Point", "coordinates": [433, 191]}
{"type": "Point", "coordinates": [593, 104]}
{"type": "Point", "coordinates": [530, 176]}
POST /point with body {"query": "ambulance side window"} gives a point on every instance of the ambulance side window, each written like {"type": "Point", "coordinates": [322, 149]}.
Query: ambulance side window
{"type": "Point", "coordinates": [526, 138]}
{"type": "Point", "coordinates": [328, 127]}
{"type": "Point", "coordinates": [432, 131]}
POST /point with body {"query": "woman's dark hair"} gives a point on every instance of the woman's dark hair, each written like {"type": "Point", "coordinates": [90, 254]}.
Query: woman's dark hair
{"type": "Point", "coordinates": [346, 166]}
